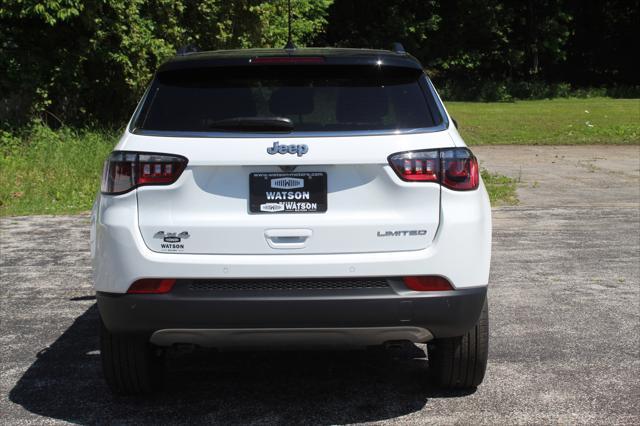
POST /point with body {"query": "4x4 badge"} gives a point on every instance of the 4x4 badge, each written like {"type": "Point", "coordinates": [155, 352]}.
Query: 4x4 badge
{"type": "Point", "coordinates": [301, 149]}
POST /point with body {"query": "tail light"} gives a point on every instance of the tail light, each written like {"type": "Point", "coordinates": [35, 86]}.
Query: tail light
{"type": "Point", "coordinates": [454, 168]}
{"type": "Point", "coordinates": [459, 169]}
{"type": "Point", "coordinates": [427, 283]}
{"type": "Point", "coordinates": [287, 60]}
{"type": "Point", "coordinates": [124, 171]}
{"type": "Point", "coordinates": [151, 286]}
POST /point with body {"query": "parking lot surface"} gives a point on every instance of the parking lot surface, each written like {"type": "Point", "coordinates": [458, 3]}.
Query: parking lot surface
{"type": "Point", "coordinates": [564, 309]}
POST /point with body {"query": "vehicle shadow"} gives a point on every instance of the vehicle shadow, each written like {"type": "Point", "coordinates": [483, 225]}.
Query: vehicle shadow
{"type": "Point", "coordinates": [65, 382]}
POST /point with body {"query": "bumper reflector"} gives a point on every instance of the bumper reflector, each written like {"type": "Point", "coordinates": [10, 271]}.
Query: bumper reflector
{"type": "Point", "coordinates": [151, 286]}
{"type": "Point", "coordinates": [427, 283]}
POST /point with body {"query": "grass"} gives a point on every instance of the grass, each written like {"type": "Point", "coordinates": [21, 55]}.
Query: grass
{"type": "Point", "coordinates": [51, 172]}
{"type": "Point", "coordinates": [569, 121]}
{"type": "Point", "coordinates": [501, 189]}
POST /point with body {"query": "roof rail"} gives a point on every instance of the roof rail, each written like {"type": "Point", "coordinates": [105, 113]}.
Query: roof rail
{"type": "Point", "coordinates": [186, 49]}
{"type": "Point", "coordinates": [398, 48]}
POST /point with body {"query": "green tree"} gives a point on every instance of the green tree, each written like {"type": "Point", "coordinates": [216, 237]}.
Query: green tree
{"type": "Point", "coordinates": [75, 62]}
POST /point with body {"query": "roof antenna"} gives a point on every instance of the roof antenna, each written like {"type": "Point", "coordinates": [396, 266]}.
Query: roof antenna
{"type": "Point", "coordinates": [398, 48]}
{"type": "Point", "coordinates": [289, 45]}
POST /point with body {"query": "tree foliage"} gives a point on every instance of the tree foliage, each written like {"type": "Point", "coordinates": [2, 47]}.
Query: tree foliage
{"type": "Point", "coordinates": [460, 39]}
{"type": "Point", "coordinates": [496, 49]}
{"type": "Point", "coordinates": [86, 62]}
{"type": "Point", "coordinates": [82, 62]}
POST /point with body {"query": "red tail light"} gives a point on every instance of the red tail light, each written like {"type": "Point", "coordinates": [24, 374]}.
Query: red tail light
{"type": "Point", "coordinates": [288, 60]}
{"type": "Point", "coordinates": [417, 166]}
{"type": "Point", "coordinates": [124, 171]}
{"type": "Point", "coordinates": [427, 283]}
{"type": "Point", "coordinates": [151, 286]}
{"type": "Point", "coordinates": [455, 168]}
{"type": "Point", "coordinates": [459, 169]}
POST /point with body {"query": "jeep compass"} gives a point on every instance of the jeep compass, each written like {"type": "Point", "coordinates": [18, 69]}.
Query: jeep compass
{"type": "Point", "coordinates": [278, 198]}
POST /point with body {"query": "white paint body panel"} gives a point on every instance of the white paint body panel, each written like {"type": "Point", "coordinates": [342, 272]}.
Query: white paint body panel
{"type": "Point", "coordinates": [211, 204]}
{"type": "Point", "coordinates": [364, 196]}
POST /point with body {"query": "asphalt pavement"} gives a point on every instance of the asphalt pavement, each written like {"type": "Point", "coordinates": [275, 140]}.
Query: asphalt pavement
{"type": "Point", "coordinates": [564, 312]}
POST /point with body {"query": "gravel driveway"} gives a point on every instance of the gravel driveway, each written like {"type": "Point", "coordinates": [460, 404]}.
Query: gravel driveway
{"type": "Point", "coordinates": [565, 312]}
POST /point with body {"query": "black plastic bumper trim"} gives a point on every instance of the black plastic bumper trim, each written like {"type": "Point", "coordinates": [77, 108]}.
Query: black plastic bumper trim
{"type": "Point", "coordinates": [444, 314]}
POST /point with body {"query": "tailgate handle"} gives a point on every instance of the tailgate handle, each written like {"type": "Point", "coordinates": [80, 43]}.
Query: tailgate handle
{"type": "Point", "coordinates": [287, 238]}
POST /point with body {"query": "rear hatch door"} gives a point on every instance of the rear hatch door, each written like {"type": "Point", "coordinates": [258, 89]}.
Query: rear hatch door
{"type": "Point", "coordinates": [321, 187]}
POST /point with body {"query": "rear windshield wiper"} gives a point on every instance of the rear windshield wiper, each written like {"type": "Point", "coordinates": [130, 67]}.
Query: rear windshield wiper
{"type": "Point", "coordinates": [254, 124]}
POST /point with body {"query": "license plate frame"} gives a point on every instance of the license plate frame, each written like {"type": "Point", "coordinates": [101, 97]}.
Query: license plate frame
{"type": "Point", "coordinates": [299, 192]}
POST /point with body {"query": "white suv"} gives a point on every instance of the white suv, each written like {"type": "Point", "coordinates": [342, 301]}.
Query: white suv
{"type": "Point", "coordinates": [298, 198]}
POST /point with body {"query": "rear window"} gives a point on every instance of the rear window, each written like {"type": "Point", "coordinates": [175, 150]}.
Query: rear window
{"type": "Point", "coordinates": [314, 98]}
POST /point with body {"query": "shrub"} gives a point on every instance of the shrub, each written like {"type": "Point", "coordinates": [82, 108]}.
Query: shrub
{"type": "Point", "coordinates": [51, 171]}
{"type": "Point", "coordinates": [509, 90]}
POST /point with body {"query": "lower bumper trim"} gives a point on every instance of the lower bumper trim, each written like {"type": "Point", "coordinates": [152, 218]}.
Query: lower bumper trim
{"type": "Point", "coordinates": [183, 314]}
{"type": "Point", "coordinates": [290, 337]}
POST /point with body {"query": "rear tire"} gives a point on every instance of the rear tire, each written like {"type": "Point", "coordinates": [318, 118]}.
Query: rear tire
{"type": "Point", "coordinates": [131, 365]}
{"type": "Point", "coordinates": [461, 362]}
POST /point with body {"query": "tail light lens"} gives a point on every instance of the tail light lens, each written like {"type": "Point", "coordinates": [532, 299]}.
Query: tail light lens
{"type": "Point", "coordinates": [417, 165]}
{"type": "Point", "coordinates": [459, 169]}
{"type": "Point", "coordinates": [455, 168]}
{"type": "Point", "coordinates": [124, 171]}
{"type": "Point", "coordinates": [427, 283]}
{"type": "Point", "coordinates": [151, 286]}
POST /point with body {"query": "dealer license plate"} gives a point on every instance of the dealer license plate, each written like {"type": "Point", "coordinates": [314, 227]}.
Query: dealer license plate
{"type": "Point", "coordinates": [302, 192]}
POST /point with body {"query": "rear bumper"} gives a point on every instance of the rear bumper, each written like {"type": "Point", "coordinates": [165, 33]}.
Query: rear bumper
{"type": "Point", "coordinates": [367, 316]}
{"type": "Point", "coordinates": [460, 252]}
